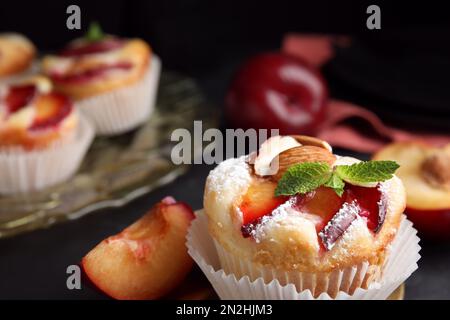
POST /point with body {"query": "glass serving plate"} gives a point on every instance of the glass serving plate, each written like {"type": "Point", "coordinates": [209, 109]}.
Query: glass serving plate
{"type": "Point", "coordinates": [118, 169]}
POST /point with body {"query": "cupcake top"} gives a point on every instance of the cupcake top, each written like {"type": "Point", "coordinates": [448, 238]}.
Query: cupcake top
{"type": "Point", "coordinates": [32, 115]}
{"type": "Point", "coordinates": [16, 54]}
{"type": "Point", "coordinates": [297, 206]}
{"type": "Point", "coordinates": [97, 63]}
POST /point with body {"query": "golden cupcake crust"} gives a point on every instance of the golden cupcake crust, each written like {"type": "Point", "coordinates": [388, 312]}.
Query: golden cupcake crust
{"type": "Point", "coordinates": [287, 240]}
{"type": "Point", "coordinates": [135, 52]}
{"type": "Point", "coordinates": [16, 127]}
{"type": "Point", "coordinates": [16, 54]}
{"type": "Point", "coordinates": [20, 137]}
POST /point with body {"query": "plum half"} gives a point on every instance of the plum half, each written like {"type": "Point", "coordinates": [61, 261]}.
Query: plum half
{"type": "Point", "coordinates": [425, 173]}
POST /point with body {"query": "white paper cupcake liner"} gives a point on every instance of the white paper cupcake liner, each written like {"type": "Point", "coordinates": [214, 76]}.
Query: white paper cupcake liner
{"type": "Point", "coordinates": [265, 284]}
{"type": "Point", "coordinates": [25, 171]}
{"type": "Point", "coordinates": [123, 109]}
{"type": "Point", "coordinates": [346, 280]}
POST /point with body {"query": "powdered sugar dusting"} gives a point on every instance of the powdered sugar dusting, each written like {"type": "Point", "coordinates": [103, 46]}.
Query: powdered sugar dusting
{"type": "Point", "coordinates": [358, 223]}
{"type": "Point", "coordinates": [228, 175]}
{"type": "Point", "coordinates": [384, 188]}
{"type": "Point", "coordinates": [278, 215]}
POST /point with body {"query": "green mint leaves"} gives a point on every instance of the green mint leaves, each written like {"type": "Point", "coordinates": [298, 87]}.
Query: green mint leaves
{"type": "Point", "coordinates": [303, 178]}
{"type": "Point", "coordinates": [94, 33]}
{"type": "Point", "coordinates": [308, 176]}
{"type": "Point", "coordinates": [335, 182]}
{"type": "Point", "coordinates": [362, 173]}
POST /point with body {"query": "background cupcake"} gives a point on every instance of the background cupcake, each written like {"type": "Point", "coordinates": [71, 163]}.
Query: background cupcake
{"type": "Point", "coordinates": [17, 54]}
{"type": "Point", "coordinates": [320, 223]}
{"type": "Point", "coordinates": [112, 80]}
{"type": "Point", "coordinates": [42, 137]}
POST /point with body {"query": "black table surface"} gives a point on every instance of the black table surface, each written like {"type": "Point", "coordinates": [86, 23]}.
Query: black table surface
{"type": "Point", "coordinates": [33, 265]}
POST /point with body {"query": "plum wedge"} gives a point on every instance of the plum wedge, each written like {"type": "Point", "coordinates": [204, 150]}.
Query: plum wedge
{"type": "Point", "coordinates": [147, 259]}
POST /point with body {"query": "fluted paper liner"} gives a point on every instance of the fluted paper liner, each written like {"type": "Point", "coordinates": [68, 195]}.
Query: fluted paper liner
{"type": "Point", "coordinates": [236, 279]}
{"type": "Point", "coordinates": [123, 109]}
{"type": "Point", "coordinates": [32, 170]}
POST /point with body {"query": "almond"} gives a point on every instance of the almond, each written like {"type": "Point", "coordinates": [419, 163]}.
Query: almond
{"type": "Point", "coordinates": [269, 150]}
{"type": "Point", "coordinates": [301, 154]}
{"type": "Point", "coordinates": [311, 141]}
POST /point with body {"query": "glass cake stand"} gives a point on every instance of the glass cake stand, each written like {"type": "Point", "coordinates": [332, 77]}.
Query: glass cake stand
{"type": "Point", "coordinates": [118, 169]}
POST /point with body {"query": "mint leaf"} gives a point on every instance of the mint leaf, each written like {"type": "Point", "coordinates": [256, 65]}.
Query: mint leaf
{"type": "Point", "coordinates": [94, 33]}
{"type": "Point", "coordinates": [302, 178]}
{"type": "Point", "coordinates": [362, 173]}
{"type": "Point", "coordinates": [308, 176]}
{"type": "Point", "coordinates": [336, 183]}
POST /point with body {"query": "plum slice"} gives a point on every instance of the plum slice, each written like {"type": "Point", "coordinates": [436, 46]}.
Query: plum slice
{"type": "Point", "coordinates": [51, 110]}
{"type": "Point", "coordinates": [91, 74]}
{"type": "Point", "coordinates": [372, 202]}
{"type": "Point", "coordinates": [258, 201]}
{"type": "Point", "coordinates": [367, 203]}
{"type": "Point", "coordinates": [146, 260]}
{"type": "Point", "coordinates": [20, 96]}
{"type": "Point", "coordinates": [322, 202]}
{"type": "Point", "coordinates": [333, 214]}
{"type": "Point", "coordinates": [105, 45]}
{"type": "Point", "coordinates": [339, 224]}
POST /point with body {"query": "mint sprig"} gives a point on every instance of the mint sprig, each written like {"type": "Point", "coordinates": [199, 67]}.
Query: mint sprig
{"type": "Point", "coordinates": [308, 176]}
{"type": "Point", "coordinates": [302, 178]}
{"type": "Point", "coordinates": [94, 33]}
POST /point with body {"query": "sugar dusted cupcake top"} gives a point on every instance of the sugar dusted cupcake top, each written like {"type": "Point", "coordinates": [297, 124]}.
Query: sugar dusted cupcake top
{"type": "Point", "coordinates": [297, 206]}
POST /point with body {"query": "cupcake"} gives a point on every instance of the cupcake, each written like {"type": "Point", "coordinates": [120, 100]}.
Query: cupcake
{"type": "Point", "coordinates": [42, 137]}
{"type": "Point", "coordinates": [297, 217]}
{"type": "Point", "coordinates": [32, 117]}
{"type": "Point", "coordinates": [16, 56]}
{"type": "Point", "coordinates": [113, 80]}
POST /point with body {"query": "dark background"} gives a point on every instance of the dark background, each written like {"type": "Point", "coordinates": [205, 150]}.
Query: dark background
{"type": "Point", "coordinates": [194, 35]}
{"type": "Point", "coordinates": [402, 68]}
{"type": "Point", "coordinates": [400, 72]}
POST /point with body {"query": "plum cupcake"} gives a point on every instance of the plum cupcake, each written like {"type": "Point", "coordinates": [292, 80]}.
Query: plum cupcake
{"type": "Point", "coordinates": [113, 80]}
{"type": "Point", "coordinates": [42, 137]}
{"type": "Point", "coordinates": [296, 221]}
{"type": "Point", "coordinates": [17, 55]}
